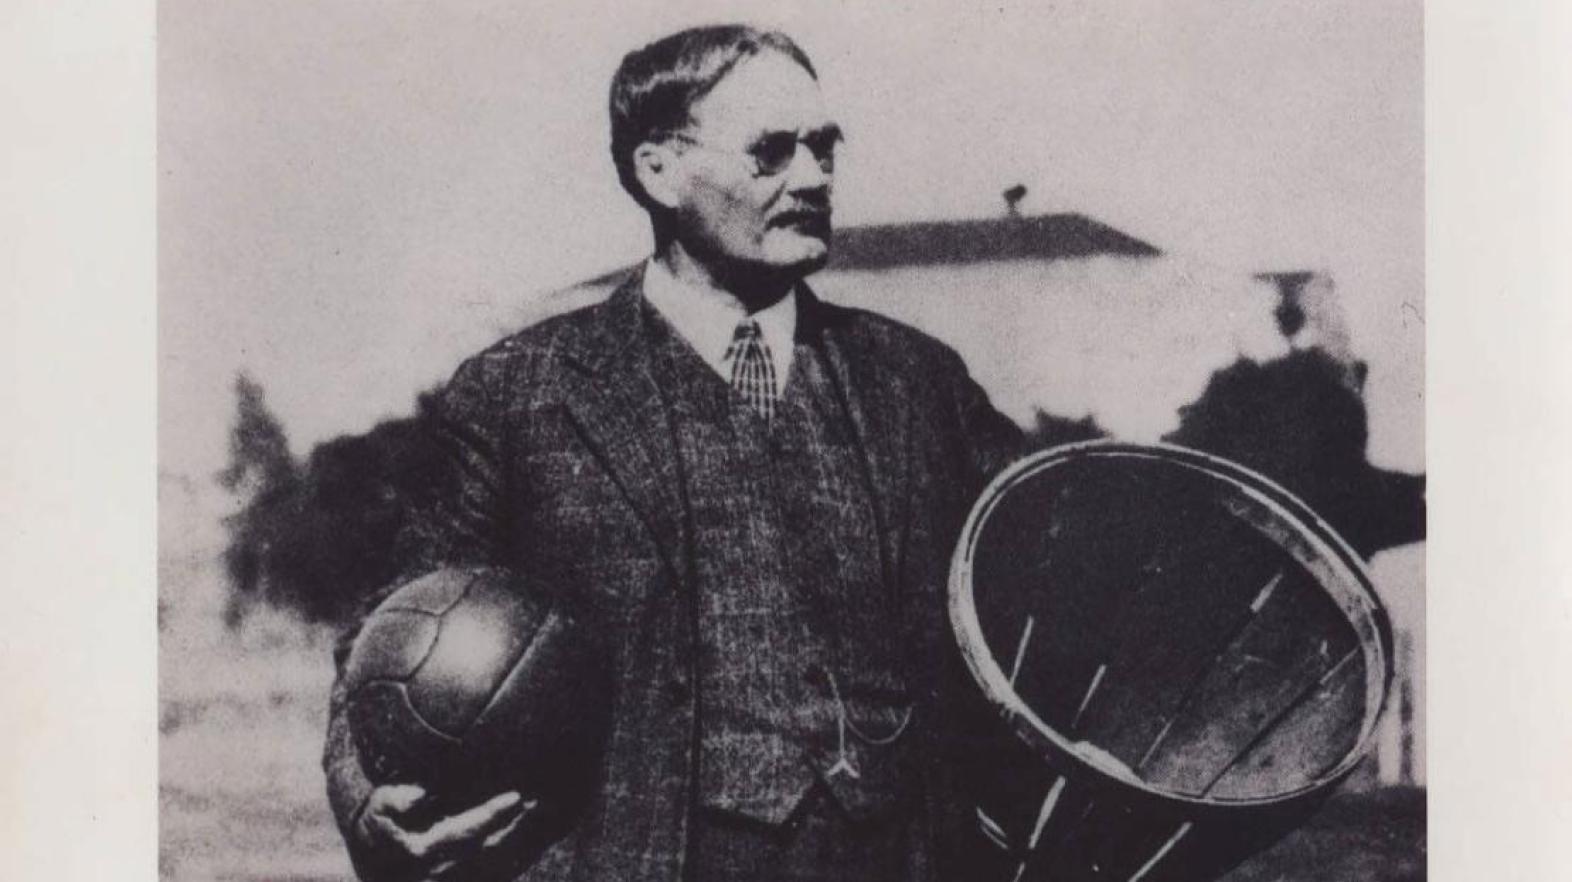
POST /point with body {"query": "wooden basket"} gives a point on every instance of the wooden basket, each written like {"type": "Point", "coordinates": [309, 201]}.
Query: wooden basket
{"type": "Point", "coordinates": [1180, 658]}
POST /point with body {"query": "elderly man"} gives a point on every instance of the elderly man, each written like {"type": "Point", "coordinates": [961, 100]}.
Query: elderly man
{"type": "Point", "coordinates": [752, 494]}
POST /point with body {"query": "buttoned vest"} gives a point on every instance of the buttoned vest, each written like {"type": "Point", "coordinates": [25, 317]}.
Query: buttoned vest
{"type": "Point", "coordinates": [799, 674]}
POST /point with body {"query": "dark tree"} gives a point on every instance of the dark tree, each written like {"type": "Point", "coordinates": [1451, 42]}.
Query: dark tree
{"type": "Point", "coordinates": [1301, 421]}
{"type": "Point", "coordinates": [268, 480]}
{"type": "Point", "coordinates": [354, 505]}
{"type": "Point", "coordinates": [318, 538]}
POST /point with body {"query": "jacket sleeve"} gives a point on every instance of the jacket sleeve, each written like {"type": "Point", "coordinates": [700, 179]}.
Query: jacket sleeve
{"type": "Point", "coordinates": [991, 440]}
{"type": "Point", "coordinates": [456, 517]}
{"type": "Point", "coordinates": [459, 516]}
{"type": "Point", "coordinates": [979, 443]}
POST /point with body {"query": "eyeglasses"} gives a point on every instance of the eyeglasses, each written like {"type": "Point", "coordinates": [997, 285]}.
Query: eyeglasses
{"type": "Point", "coordinates": [773, 153]}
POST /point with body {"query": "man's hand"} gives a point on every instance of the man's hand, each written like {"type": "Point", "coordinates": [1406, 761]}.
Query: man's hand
{"type": "Point", "coordinates": [399, 835]}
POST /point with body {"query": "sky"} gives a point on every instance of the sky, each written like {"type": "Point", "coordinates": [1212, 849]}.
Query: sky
{"type": "Point", "coordinates": [354, 195]}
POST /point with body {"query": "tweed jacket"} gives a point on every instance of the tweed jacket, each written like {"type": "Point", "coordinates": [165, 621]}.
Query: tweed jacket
{"type": "Point", "coordinates": [562, 466]}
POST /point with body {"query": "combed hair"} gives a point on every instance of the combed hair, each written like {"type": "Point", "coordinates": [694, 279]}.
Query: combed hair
{"type": "Point", "coordinates": [655, 86]}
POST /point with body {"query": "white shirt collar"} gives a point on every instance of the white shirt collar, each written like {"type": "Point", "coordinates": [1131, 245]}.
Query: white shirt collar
{"type": "Point", "coordinates": [708, 321]}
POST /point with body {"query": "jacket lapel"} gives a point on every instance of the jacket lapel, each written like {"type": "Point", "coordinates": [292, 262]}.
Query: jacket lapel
{"type": "Point", "coordinates": [878, 402]}
{"type": "Point", "coordinates": [619, 410]}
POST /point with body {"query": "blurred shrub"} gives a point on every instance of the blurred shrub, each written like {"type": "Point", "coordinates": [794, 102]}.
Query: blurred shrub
{"type": "Point", "coordinates": [1301, 421]}
{"type": "Point", "coordinates": [317, 537]}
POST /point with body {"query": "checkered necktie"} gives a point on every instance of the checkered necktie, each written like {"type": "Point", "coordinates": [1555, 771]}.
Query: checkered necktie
{"type": "Point", "coordinates": [752, 368]}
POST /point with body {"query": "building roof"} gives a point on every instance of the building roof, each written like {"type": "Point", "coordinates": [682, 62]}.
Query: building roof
{"type": "Point", "coordinates": [980, 240]}
{"type": "Point", "coordinates": [1046, 237]}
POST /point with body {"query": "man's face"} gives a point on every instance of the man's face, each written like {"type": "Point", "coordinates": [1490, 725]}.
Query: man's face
{"type": "Point", "coordinates": [767, 112]}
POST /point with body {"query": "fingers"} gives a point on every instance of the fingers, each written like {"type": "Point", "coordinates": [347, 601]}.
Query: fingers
{"type": "Point", "coordinates": [391, 839]}
{"type": "Point", "coordinates": [377, 829]}
{"type": "Point", "coordinates": [468, 830]}
{"type": "Point", "coordinates": [471, 823]}
{"type": "Point", "coordinates": [392, 828]}
{"type": "Point", "coordinates": [396, 799]}
{"type": "Point", "coordinates": [488, 860]}
{"type": "Point", "coordinates": [507, 830]}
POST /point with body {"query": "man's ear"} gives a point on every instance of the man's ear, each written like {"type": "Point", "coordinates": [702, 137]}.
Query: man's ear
{"type": "Point", "coordinates": [655, 167]}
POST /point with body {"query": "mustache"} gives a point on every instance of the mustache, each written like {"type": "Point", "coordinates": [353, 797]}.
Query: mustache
{"type": "Point", "coordinates": [802, 214]}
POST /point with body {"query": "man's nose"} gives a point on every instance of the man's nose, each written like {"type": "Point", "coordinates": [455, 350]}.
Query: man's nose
{"type": "Point", "coordinates": [805, 172]}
